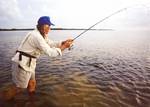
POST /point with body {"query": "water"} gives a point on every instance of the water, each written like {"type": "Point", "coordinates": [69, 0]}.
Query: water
{"type": "Point", "coordinates": [104, 69]}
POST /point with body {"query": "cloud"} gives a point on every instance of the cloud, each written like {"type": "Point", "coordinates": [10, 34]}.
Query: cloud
{"type": "Point", "coordinates": [9, 12]}
{"type": "Point", "coordinates": [70, 13]}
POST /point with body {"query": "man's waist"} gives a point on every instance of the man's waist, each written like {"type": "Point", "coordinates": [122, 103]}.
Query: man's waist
{"type": "Point", "coordinates": [25, 54]}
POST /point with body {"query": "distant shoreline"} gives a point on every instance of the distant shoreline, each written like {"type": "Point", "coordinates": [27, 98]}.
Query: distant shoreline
{"type": "Point", "coordinates": [16, 29]}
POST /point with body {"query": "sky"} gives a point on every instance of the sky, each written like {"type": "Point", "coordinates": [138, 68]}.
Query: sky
{"type": "Point", "coordinates": [75, 13]}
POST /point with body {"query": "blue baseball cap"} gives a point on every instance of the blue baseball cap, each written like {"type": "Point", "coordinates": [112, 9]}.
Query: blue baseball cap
{"type": "Point", "coordinates": [45, 20]}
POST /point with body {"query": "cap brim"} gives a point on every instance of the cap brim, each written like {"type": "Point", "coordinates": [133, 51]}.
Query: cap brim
{"type": "Point", "coordinates": [52, 24]}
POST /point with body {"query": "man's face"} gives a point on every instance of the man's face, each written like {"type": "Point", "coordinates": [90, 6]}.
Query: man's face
{"type": "Point", "coordinates": [45, 29]}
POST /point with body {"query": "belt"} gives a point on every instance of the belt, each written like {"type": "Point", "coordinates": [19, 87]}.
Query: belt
{"type": "Point", "coordinates": [27, 55]}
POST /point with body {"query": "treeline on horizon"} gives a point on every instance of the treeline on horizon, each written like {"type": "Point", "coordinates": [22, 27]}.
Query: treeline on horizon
{"type": "Point", "coordinates": [22, 29]}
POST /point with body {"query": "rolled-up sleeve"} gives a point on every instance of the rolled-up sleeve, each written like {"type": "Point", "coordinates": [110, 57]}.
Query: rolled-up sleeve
{"type": "Point", "coordinates": [42, 45]}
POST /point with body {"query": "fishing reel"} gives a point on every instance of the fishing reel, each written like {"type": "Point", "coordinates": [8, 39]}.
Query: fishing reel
{"type": "Point", "coordinates": [70, 48]}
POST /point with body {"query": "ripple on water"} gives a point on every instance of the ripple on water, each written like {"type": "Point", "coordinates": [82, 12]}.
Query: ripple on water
{"type": "Point", "coordinates": [112, 74]}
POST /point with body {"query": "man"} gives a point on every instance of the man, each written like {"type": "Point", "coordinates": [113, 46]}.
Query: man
{"type": "Point", "coordinates": [24, 61]}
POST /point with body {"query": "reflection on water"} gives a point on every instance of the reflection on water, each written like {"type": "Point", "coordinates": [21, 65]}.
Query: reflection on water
{"type": "Point", "coordinates": [105, 69]}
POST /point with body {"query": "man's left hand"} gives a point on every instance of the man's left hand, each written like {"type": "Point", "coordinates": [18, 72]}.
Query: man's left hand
{"type": "Point", "coordinates": [68, 43]}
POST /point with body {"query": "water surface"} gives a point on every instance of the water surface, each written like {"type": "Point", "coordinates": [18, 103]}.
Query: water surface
{"type": "Point", "coordinates": [104, 69]}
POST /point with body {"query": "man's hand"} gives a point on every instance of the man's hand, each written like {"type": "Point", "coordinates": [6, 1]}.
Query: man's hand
{"type": "Point", "coordinates": [66, 44]}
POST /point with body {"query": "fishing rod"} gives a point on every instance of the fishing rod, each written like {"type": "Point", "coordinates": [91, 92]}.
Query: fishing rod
{"type": "Point", "coordinates": [99, 22]}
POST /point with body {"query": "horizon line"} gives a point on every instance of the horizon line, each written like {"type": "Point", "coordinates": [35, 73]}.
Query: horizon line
{"type": "Point", "coordinates": [17, 29]}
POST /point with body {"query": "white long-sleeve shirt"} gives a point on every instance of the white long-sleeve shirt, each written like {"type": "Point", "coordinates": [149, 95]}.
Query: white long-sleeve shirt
{"type": "Point", "coordinates": [34, 44]}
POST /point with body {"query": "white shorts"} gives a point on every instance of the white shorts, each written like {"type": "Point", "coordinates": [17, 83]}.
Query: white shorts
{"type": "Point", "coordinates": [21, 77]}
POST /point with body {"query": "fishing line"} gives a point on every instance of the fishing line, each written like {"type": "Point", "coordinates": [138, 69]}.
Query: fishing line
{"type": "Point", "coordinates": [105, 18]}
{"type": "Point", "coordinates": [123, 9]}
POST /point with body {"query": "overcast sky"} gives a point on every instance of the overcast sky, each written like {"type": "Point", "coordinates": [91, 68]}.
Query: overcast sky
{"type": "Point", "coordinates": [75, 13]}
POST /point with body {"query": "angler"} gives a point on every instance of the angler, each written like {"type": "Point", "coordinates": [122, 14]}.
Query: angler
{"type": "Point", "coordinates": [24, 61]}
